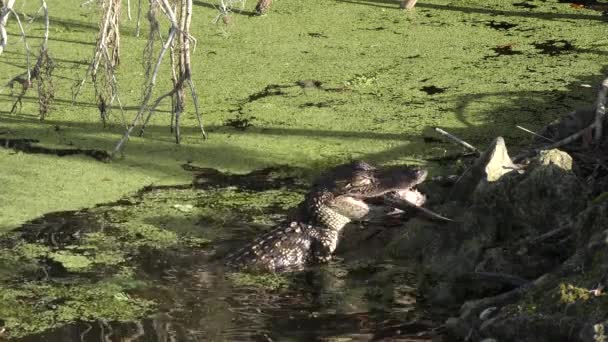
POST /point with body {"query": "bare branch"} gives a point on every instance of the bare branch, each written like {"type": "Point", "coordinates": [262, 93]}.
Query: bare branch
{"type": "Point", "coordinates": [456, 139]}
{"type": "Point", "coordinates": [148, 92]}
{"type": "Point", "coordinates": [4, 13]}
{"type": "Point", "coordinates": [533, 133]}
{"type": "Point", "coordinates": [600, 110]}
{"type": "Point", "coordinates": [137, 27]}
{"type": "Point", "coordinates": [26, 46]}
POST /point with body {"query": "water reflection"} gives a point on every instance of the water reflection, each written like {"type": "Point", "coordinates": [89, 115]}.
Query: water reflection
{"type": "Point", "coordinates": [319, 305]}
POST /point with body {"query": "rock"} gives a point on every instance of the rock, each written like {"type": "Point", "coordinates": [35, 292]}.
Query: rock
{"type": "Point", "coordinates": [489, 167]}
{"type": "Point", "coordinates": [554, 157]}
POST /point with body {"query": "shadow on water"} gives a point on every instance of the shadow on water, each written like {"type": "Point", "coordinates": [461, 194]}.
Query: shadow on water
{"type": "Point", "coordinates": [358, 296]}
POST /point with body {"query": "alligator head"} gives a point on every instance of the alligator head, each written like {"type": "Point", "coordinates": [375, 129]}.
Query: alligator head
{"type": "Point", "coordinates": [358, 192]}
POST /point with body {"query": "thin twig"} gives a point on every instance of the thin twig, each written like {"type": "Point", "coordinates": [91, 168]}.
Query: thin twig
{"type": "Point", "coordinates": [600, 110]}
{"type": "Point", "coordinates": [4, 13]}
{"type": "Point", "coordinates": [137, 27]}
{"type": "Point", "coordinates": [457, 140]}
{"type": "Point", "coordinates": [533, 133]}
{"type": "Point", "coordinates": [148, 93]}
{"type": "Point", "coordinates": [27, 48]}
{"type": "Point", "coordinates": [196, 107]}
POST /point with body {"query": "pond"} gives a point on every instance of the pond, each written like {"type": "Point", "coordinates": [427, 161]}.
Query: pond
{"type": "Point", "coordinates": [149, 268]}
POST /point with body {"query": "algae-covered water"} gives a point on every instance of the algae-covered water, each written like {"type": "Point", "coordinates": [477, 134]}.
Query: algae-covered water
{"type": "Point", "coordinates": [476, 68]}
{"type": "Point", "coordinates": [148, 262]}
{"type": "Point", "coordinates": [150, 267]}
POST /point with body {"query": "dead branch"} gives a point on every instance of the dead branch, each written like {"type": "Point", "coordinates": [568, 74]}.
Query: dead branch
{"type": "Point", "coordinates": [534, 134]}
{"type": "Point", "coordinates": [106, 56]}
{"type": "Point", "coordinates": [4, 13]}
{"type": "Point", "coordinates": [41, 72]}
{"type": "Point", "coordinates": [600, 110]}
{"type": "Point", "coordinates": [26, 46]}
{"type": "Point", "coordinates": [148, 92]}
{"type": "Point", "coordinates": [457, 140]}
{"type": "Point", "coordinates": [137, 27]}
{"type": "Point", "coordinates": [178, 43]}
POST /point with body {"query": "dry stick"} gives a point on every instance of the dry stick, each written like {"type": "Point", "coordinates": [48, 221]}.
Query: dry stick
{"type": "Point", "coordinates": [189, 72]}
{"type": "Point", "coordinates": [600, 110]}
{"type": "Point", "coordinates": [457, 140]}
{"type": "Point", "coordinates": [92, 69]}
{"type": "Point", "coordinates": [187, 65]}
{"type": "Point", "coordinates": [148, 92]}
{"type": "Point", "coordinates": [183, 65]}
{"type": "Point", "coordinates": [26, 83]}
{"type": "Point", "coordinates": [129, 9]}
{"type": "Point", "coordinates": [178, 82]}
{"type": "Point", "coordinates": [162, 97]}
{"type": "Point", "coordinates": [44, 55]}
{"type": "Point", "coordinates": [4, 12]}
{"type": "Point", "coordinates": [173, 99]}
{"type": "Point", "coordinates": [110, 74]}
{"type": "Point", "coordinates": [196, 107]}
{"type": "Point", "coordinates": [137, 27]}
{"type": "Point", "coordinates": [533, 133]}
{"type": "Point", "coordinates": [46, 25]}
{"type": "Point", "coordinates": [27, 48]}
{"type": "Point", "coordinates": [404, 204]}
{"type": "Point", "coordinates": [153, 109]}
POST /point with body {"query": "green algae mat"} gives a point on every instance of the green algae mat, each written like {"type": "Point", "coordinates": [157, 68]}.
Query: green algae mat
{"type": "Point", "coordinates": [475, 68]}
{"type": "Point", "coordinates": [381, 80]}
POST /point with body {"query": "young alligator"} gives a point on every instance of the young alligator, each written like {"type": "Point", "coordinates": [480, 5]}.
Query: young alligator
{"type": "Point", "coordinates": [342, 195]}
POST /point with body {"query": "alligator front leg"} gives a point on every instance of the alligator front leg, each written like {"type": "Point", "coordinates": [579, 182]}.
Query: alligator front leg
{"type": "Point", "coordinates": [324, 245]}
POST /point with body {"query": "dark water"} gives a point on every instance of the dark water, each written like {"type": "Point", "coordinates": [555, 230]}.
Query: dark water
{"type": "Point", "coordinates": [322, 304]}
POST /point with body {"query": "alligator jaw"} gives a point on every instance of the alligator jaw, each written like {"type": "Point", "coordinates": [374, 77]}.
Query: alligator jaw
{"type": "Point", "coordinates": [404, 199]}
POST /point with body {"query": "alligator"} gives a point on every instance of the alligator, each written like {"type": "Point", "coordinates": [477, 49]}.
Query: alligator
{"type": "Point", "coordinates": [351, 192]}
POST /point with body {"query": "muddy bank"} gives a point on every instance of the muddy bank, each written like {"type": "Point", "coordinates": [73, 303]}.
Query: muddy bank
{"type": "Point", "coordinates": [527, 253]}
